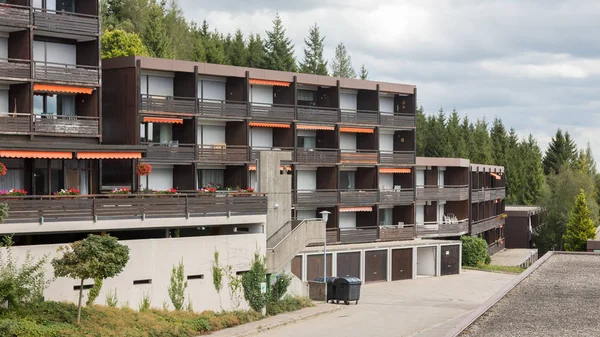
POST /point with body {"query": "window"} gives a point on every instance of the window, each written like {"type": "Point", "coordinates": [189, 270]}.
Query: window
{"type": "Point", "coordinates": [15, 174]}
{"type": "Point", "coordinates": [385, 217]}
{"type": "Point", "coordinates": [307, 142]}
{"type": "Point", "coordinates": [347, 180]}
{"type": "Point", "coordinates": [156, 133]}
{"type": "Point", "coordinates": [307, 97]}
{"type": "Point", "coordinates": [58, 5]}
{"type": "Point", "coordinates": [211, 178]}
{"type": "Point", "coordinates": [51, 52]}
{"type": "Point", "coordinates": [156, 85]}
{"type": "Point", "coordinates": [48, 104]}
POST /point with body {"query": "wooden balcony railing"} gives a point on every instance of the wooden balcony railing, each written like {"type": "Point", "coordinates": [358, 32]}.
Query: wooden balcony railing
{"type": "Point", "coordinates": [358, 197]}
{"type": "Point", "coordinates": [477, 195]}
{"type": "Point", "coordinates": [272, 112]}
{"type": "Point", "coordinates": [397, 157]}
{"type": "Point", "coordinates": [174, 105]}
{"type": "Point", "coordinates": [58, 72]}
{"type": "Point", "coordinates": [316, 156]}
{"type": "Point", "coordinates": [397, 197]}
{"type": "Point", "coordinates": [66, 22]}
{"type": "Point", "coordinates": [317, 114]}
{"type": "Point", "coordinates": [14, 15]}
{"type": "Point", "coordinates": [15, 69]}
{"type": "Point", "coordinates": [316, 197]}
{"type": "Point", "coordinates": [397, 120]}
{"type": "Point", "coordinates": [43, 209]}
{"type": "Point", "coordinates": [70, 125]}
{"type": "Point", "coordinates": [498, 193]}
{"type": "Point", "coordinates": [359, 117]}
{"type": "Point", "coordinates": [222, 154]}
{"type": "Point", "coordinates": [255, 151]}
{"type": "Point", "coordinates": [480, 226]}
{"type": "Point", "coordinates": [11, 123]}
{"type": "Point", "coordinates": [365, 157]}
{"type": "Point", "coordinates": [397, 232]}
{"type": "Point", "coordinates": [170, 152]}
{"type": "Point", "coordinates": [446, 192]}
{"type": "Point", "coordinates": [358, 234]}
{"type": "Point", "coordinates": [496, 247]}
{"type": "Point", "coordinates": [436, 229]}
{"type": "Point", "coordinates": [228, 109]}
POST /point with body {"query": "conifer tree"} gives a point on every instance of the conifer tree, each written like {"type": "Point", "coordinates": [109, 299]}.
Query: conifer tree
{"type": "Point", "coordinates": [561, 151]}
{"type": "Point", "coordinates": [481, 150]}
{"type": "Point", "coordinates": [364, 73]}
{"type": "Point", "coordinates": [155, 35]}
{"type": "Point", "coordinates": [255, 54]}
{"type": "Point", "coordinates": [279, 49]}
{"type": "Point", "coordinates": [313, 62]}
{"type": "Point", "coordinates": [580, 227]}
{"type": "Point", "coordinates": [341, 65]}
{"type": "Point", "coordinates": [456, 141]}
{"type": "Point", "coordinates": [422, 131]}
{"type": "Point", "coordinates": [499, 143]}
{"type": "Point", "coordinates": [236, 50]}
{"type": "Point", "coordinates": [437, 140]}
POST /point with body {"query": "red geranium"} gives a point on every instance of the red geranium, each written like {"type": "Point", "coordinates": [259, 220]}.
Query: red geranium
{"type": "Point", "coordinates": [143, 169]}
{"type": "Point", "coordinates": [2, 169]}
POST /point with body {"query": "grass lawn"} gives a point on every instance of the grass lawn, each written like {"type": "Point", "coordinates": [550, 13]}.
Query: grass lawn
{"type": "Point", "coordinates": [498, 269]}
{"type": "Point", "coordinates": [53, 319]}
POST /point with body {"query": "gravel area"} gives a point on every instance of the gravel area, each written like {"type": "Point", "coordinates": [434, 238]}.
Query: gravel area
{"type": "Point", "coordinates": [560, 298]}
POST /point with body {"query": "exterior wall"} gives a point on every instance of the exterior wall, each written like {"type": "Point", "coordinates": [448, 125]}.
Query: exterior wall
{"type": "Point", "coordinates": [516, 231]}
{"type": "Point", "coordinates": [153, 260]}
{"type": "Point", "coordinates": [278, 186]}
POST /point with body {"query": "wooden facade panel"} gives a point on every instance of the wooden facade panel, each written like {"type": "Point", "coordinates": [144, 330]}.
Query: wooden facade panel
{"type": "Point", "coordinates": [14, 16]}
{"type": "Point", "coordinates": [297, 266]}
{"type": "Point", "coordinates": [448, 193]}
{"type": "Point", "coordinates": [359, 117]}
{"type": "Point", "coordinates": [173, 105]}
{"type": "Point", "coordinates": [397, 157]}
{"type": "Point", "coordinates": [223, 109]}
{"type": "Point", "coordinates": [70, 23]}
{"type": "Point", "coordinates": [56, 73]}
{"type": "Point", "coordinates": [14, 69]}
{"type": "Point", "coordinates": [67, 125]}
{"type": "Point", "coordinates": [359, 158]}
{"type": "Point", "coordinates": [358, 235]}
{"type": "Point", "coordinates": [15, 124]}
{"type": "Point", "coordinates": [318, 114]}
{"type": "Point", "coordinates": [450, 261]}
{"type": "Point", "coordinates": [314, 266]}
{"type": "Point", "coordinates": [395, 233]}
{"type": "Point", "coordinates": [348, 264]}
{"type": "Point", "coordinates": [358, 198]}
{"type": "Point", "coordinates": [397, 120]}
{"type": "Point", "coordinates": [316, 156]}
{"type": "Point", "coordinates": [402, 264]}
{"type": "Point", "coordinates": [222, 154]}
{"type": "Point", "coordinates": [375, 266]}
{"type": "Point", "coordinates": [265, 112]}
{"type": "Point", "coordinates": [397, 197]}
{"type": "Point", "coordinates": [316, 198]}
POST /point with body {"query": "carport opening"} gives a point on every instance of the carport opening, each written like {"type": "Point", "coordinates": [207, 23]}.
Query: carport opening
{"type": "Point", "coordinates": [426, 261]}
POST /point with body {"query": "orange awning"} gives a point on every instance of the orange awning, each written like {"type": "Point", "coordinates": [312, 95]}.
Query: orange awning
{"type": "Point", "coordinates": [357, 130]}
{"type": "Point", "coordinates": [253, 168]}
{"type": "Point", "coordinates": [270, 83]}
{"type": "Point", "coordinates": [62, 89]}
{"type": "Point", "coordinates": [315, 127]}
{"type": "Point", "coordinates": [35, 154]}
{"type": "Point", "coordinates": [270, 125]}
{"type": "Point", "coordinates": [109, 155]}
{"type": "Point", "coordinates": [498, 177]}
{"type": "Point", "coordinates": [163, 120]}
{"type": "Point", "coordinates": [394, 170]}
{"type": "Point", "coordinates": [356, 209]}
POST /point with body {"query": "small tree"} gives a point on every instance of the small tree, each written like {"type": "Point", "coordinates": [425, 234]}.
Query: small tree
{"type": "Point", "coordinates": [117, 43]}
{"type": "Point", "coordinates": [474, 251]}
{"type": "Point", "coordinates": [178, 286]}
{"type": "Point", "coordinates": [580, 227]}
{"type": "Point", "coordinates": [93, 257]}
{"type": "Point", "coordinates": [364, 73]}
{"type": "Point", "coordinates": [251, 281]}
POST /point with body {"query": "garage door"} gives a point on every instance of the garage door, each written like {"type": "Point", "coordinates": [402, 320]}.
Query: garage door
{"type": "Point", "coordinates": [402, 263]}
{"type": "Point", "coordinates": [297, 266]}
{"type": "Point", "coordinates": [376, 266]}
{"type": "Point", "coordinates": [348, 264]}
{"type": "Point", "coordinates": [314, 266]}
{"type": "Point", "coordinates": [450, 260]}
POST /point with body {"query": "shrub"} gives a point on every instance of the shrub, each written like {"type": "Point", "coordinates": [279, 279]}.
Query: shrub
{"type": "Point", "coordinates": [94, 292]}
{"type": "Point", "coordinates": [474, 251]}
{"type": "Point", "coordinates": [217, 276]}
{"type": "Point", "coordinates": [251, 281]}
{"type": "Point", "coordinates": [177, 286]}
{"type": "Point", "coordinates": [279, 287]}
{"type": "Point", "coordinates": [287, 304]}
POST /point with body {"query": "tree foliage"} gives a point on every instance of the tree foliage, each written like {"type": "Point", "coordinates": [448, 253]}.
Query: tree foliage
{"type": "Point", "coordinates": [341, 65]}
{"type": "Point", "coordinates": [117, 43]}
{"type": "Point", "coordinates": [279, 49]}
{"type": "Point", "coordinates": [94, 292]}
{"type": "Point", "coordinates": [93, 257]}
{"type": "Point", "coordinates": [580, 227]}
{"type": "Point", "coordinates": [178, 286]}
{"type": "Point", "coordinates": [313, 62]}
{"type": "Point", "coordinates": [251, 281]}
{"type": "Point", "coordinates": [474, 251]}
{"type": "Point", "coordinates": [561, 153]}
{"type": "Point", "coordinates": [364, 73]}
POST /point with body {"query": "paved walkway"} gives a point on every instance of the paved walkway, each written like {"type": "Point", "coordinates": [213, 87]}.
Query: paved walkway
{"type": "Point", "coordinates": [425, 307]}
{"type": "Point", "coordinates": [512, 257]}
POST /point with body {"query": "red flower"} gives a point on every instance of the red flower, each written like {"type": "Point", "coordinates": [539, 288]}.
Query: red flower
{"type": "Point", "coordinates": [2, 169]}
{"type": "Point", "coordinates": [143, 169]}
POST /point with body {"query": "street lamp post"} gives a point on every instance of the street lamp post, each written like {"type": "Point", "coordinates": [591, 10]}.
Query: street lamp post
{"type": "Point", "coordinates": [325, 217]}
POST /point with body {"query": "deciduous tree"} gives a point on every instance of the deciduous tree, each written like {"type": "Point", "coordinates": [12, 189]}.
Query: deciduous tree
{"type": "Point", "coordinates": [117, 43]}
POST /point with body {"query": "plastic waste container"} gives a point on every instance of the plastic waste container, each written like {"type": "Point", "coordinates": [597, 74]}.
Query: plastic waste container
{"type": "Point", "coordinates": [331, 291]}
{"type": "Point", "coordinates": [347, 289]}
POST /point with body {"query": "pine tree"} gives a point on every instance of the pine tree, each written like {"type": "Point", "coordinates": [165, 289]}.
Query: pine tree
{"type": "Point", "coordinates": [255, 54]}
{"type": "Point", "coordinates": [236, 50]}
{"type": "Point", "coordinates": [313, 62]}
{"type": "Point", "coordinates": [341, 65]}
{"type": "Point", "coordinates": [437, 139]}
{"type": "Point", "coordinates": [279, 50]}
{"type": "Point", "coordinates": [364, 73]}
{"type": "Point", "coordinates": [456, 141]}
{"type": "Point", "coordinates": [499, 139]}
{"type": "Point", "coordinates": [530, 171]}
{"type": "Point", "coordinates": [214, 47]}
{"type": "Point", "coordinates": [155, 36]}
{"type": "Point", "coordinates": [422, 131]}
{"type": "Point", "coordinates": [580, 227]}
{"type": "Point", "coordinates": [585, 161]}
{"type": "Point", "coordinates": [561, 151]}
{"type": "Point", "coordinates": [481, 148]}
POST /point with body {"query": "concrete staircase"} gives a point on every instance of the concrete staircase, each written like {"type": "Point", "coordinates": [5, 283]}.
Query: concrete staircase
{"type": "Point", "coordinates": [290, 239]}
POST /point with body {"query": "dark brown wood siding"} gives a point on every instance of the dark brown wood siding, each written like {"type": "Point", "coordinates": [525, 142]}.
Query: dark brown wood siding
{"type": "Point", "coordinates": [326, 178]}
{"type": "Point", "coordinates": [283, 137]}
{"type": "Point", "coordinates": [237, 89]}
{"type": "Point", "coordinates": [183, 177]}
{"type": "Point", "coordinates": [88, 53]}
{"type": "Point", "coordinates": [367, 100]}
{"type": "Point", "coordinates": [402, 264]}
{"type": "Point", "coordinates": [366, 141]}
{"type": "Point", "coordinates": [314, 266]}
{"type": "Point", "coordinates": [185, 133]}
{"type": "Point", "coordinates": [184, 85]}
{"type": "Point", "coordinates": [404, 140]}
{"type": "Point", "coordinates": [404, 214]}
{"type": "Point", "coordinates": [86, 7]}
{"type": "Point", "coordinates": [87, 105]}
{"type": "Point", "coordinates": [120, 107]}
{"type": "Point", "coordinates": [297, 266]}
{"type": "Point", "coordinates": [450, 260]}
{"type": "Point", "coordinates": [366, 178]}
{"type": "Point", "coordinates": [283, 95]}
{"type": "Point", "coordinates": [517, 232]}
{"type": "Point", "coordinates": [375, 266]}
{"type": "Point", "coordinates": [20, 94]}
{"type": "Point", "coordinates": [236, 133]}
{"type": "Point", "coordinates": [327, 139]}
{"type": "Point", "coordinates": [348, 264]}
{"type": "Point", "coordinates": [18, 45]}
{"type": "Point", "coordinates": [328, 97]}
{"type": "Point", "coordinates": [236, 176]}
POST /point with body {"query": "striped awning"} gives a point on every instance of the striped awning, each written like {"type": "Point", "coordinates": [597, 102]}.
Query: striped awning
{"type": "Point", "coordinates": [109, 155]}
{"type": "Point", "coordinates": [62, 89]}
{"type": "Point", "coordinates": [357, 130]}
{"type": "Point", "coordinates": [163, 120]}
{"type": "Point", "coordinates": [269, 83]}
{"type": "Point", "coordinates": [35, 154]}
{"type": "Point", "coordinates": [315, 127]}
{"type": "Point", "coordinates": [287, 168]}
{"type": "Point", "coordinates": [356, 209]}
{"type": "Point", "coordinates": [498, 177]}
{"type": "Point", "coordinates": [270, 125]}
{"type": "Point", "coordinates": [394, 170]}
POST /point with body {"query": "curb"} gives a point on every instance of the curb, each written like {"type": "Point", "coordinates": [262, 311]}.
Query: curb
{"type": "Point", "coordinates": [290, 321]}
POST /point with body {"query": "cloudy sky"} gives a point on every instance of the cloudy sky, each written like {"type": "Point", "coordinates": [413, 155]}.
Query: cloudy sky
{"type": "Point", "coordinates": [533, 63]}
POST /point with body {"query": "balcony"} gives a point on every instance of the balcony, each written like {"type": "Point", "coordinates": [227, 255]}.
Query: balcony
{"type": "Point", "coordinates": [15, 69]}
{"type": "Point", "coordinates": [68, 73]}
{"type": "Point", "coordinates": [15, 123]}
{"type": "Point", "coordinates": [496, 247]}
{"type": "Point", "coordinates": [222, 154]}
{"type": "Point", "coordinates": [359, 157]}
{"type": "Point", "coordinates": [170, 152]}
{"type": "Point", "coordinates": [397, 120]}
{"type": "Point", "coordinates": [397, 197]}
{"type": "Point", "coordinates": [359, 117]}
{"type": "Point", "coordinates": [43, 209]}
{"type": "Point", "coordinates": [172, 105]}
{"type": "Point", "coordinates": [272, 112]}
{"type": "Point", "coordinates": [446, 192]}
{"type": "Point", "coordinates": [66, 22]}
{"type": "Point", "coordinates": [255, 151]}
{"type": "Point", "coordinates": [498, 193]}
{"type": "Point", "coordinates": [225, 109]}
{"type": "Point", "coordinates": [397, 157]}
{"type": "Point", "coordinates": [14, 15]}
{"type": "Point", "coordinates": [316, 197]}
{"type": "Point", "coordinates": [317, 114]}
{"type": "Point", "coordinates": [396, 233]}
{"type": "Point", "coordinates": [481, 226]}
{"type": "Point", "coordinates": [445, 229]}
{"type": "Point", "coordinates": [352, 235]}
{"type": "Point", "coordinates": [316, 156]}
{"type": "Point", "coordinates": [67, 125]}
{"type": "Point", "coordinates": [358, 197]}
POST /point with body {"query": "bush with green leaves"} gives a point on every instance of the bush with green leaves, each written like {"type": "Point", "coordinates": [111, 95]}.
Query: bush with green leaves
{"type": "Point", "coordinates": [279, 287]}
{"type": "Point", "coordinates": [111, 298]}
{"type": "Point", "coordinates": [24, 283]}
{"type": "Point", "coordinates": [251, 281]}
{"type": "Point", "coordinates": [94, 292]}
{"type": "Point", "coordinates": [3, 212]}
{"type": "Point", "coordinates": [177, 286]}
{"type": "Point", "coordinates": [474, 251]}
{"type": "Point", "coordinates": [217, 276]}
